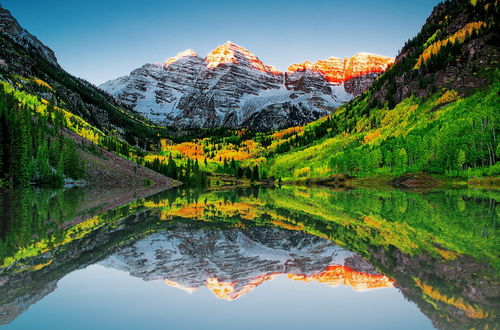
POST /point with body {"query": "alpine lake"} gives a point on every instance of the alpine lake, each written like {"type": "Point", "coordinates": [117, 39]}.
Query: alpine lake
{"type": "Point", "coordinates": [287, 257]}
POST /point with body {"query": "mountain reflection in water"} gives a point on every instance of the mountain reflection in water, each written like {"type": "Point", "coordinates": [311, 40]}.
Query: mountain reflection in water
{"type": "Point", "coordinates": [437, 248]}
{"type": "Point", "coordinates": [233, 262]}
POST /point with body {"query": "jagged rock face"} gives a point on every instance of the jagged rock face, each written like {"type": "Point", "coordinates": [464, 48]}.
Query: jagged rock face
{"type": "Point", "coordinates": [354, 75]}
{"type": "Point", "coordinates": [230, 74]}
{"type": "Point", "coordinates": [235, 260]}
{"type": "Point", "coordinates": [232, 88]}
{"type": "Point", "coordinates": [307, 81]}
{"type": "Point", "coordinates": [10, 27]}
{"type": "Point", "coordinates": [339, 71]}
{"type": "Point", "coordinates": [357, 85]}
{"type": "Point", "coordinates": [153, 91]}
{"type": "Point", "coordinates": [364, 63]}
{"type": "Point", "coordinates": [282, 114]}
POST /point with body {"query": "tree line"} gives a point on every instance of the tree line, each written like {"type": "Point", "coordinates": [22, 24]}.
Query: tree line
{"type": "Point", "coordinates": [188, 173]}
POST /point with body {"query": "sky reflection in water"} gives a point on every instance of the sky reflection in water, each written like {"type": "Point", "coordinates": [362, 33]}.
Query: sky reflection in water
{"type": "Point", "coordinates": [103, 298]}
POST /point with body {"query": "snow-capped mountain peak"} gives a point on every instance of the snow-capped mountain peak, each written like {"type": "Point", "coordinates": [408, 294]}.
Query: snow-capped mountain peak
{"type": "Point", "coordinates": [231, 53]}
{"type": "Point", "coordinates": [232, 87]}
{"type": "Point", "coordinates": [182, 55]}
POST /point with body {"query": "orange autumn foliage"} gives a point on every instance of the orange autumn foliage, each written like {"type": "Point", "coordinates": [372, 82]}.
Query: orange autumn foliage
{"type": "Point", "coordinates": [200, 210]}
{"type": "Point", "coordinates": [372, 222]}
{"type": "Point", "coordinates": [447, 97]}
{"type": "Point", "coordinates": [190, 149]}
{"type": "Point", "coordinates": [40, 82]}
{"type": "Point", "coordinates": [371, 136]}
{"type": "Point", "coordinates": [287, 132]}
{"type": "Point", "coordinates": [288, 226]}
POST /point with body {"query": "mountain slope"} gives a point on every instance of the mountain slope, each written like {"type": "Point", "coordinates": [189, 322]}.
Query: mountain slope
{"type": "Point", "coordinates": [435, 110]}
{"type": "Point", "coordinates": [458, 42]}
{"type": "Point", "coordinates": [32, 67]}
{"type": "Point", "coordinates": [44, 111]}
{"type": "Point", "coordinates": [232, 88]}
{"type": "Point", "coordinates": [10, 27]}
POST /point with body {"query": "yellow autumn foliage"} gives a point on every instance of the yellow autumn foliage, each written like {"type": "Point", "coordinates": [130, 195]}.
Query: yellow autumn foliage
{"type": "Point", "coordinates": [233, 154]}
{"type": "Point", "coordinates": [40, 266]}
{"type": "Point", "coordinates": [88, 134]}
{"type": "Point", "coordinates": [40, 82]}
{"type": "Point", "coordinates": [434, 294]}
{"type": "Point", "coordinates": [458, 36]}
{"type": "Point", "coordinates": [287, 132]}
{"type": "Point", "coordinates": [447, 97]}
{"type": "Point", "coordinates": [371, 136]}
{"type": "Point", "coordinates": [302, 172]}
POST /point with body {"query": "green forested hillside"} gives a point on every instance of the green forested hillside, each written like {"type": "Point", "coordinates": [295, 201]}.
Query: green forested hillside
{"type": "Point", "coordinates": [32, 147]}
{"type": "Point", "coordinates": [435, 110]}
{"type": "Point", "coordinates": [42, 144]}
{"type": "Point", "coordinates": [444, 134]}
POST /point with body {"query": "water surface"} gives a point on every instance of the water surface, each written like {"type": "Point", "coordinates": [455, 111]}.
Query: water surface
{"type": "Point", "coordinates": [282, 258]}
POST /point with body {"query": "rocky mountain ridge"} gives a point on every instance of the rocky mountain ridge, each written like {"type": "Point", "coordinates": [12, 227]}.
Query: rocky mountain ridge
{"type": "Point", "coordinates": [232, 88]}
{"type": "Point", "coordinates": [338, 71]}
{"type": "Point", "coordinates": [10, 27]}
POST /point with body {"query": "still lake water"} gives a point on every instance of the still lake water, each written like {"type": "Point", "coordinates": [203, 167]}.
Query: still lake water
{"type": "Point", "coordinates": [282, 258]}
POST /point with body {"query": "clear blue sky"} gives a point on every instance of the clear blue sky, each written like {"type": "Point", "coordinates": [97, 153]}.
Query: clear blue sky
{"type": "Point", "coordinates": [102, 39]}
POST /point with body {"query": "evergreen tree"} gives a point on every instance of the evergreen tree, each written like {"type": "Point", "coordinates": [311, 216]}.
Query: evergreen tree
{"type": "Point", "coordinates": [42, 166]}
{"type": "Point", "coordinates": [2, 141]}
{"type": "Point", "coordinates": [255, 173]}
{"type": "Point", "coordinates": [232, 167]}
{"type": "Point", "coordinates": [172, 170]}
{"type": "Point", "coordinates": [54, 151]}
{"type": "Point", "coordinates": [72, 167]}
{"type": "Point", "coordinates": [461, 159]}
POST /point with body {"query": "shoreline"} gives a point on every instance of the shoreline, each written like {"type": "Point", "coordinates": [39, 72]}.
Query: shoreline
{"type": "Point", "coordinates": [419, 181]}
